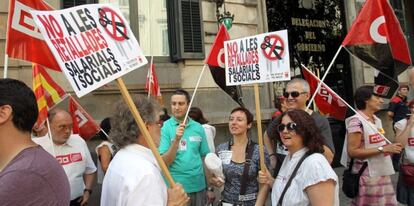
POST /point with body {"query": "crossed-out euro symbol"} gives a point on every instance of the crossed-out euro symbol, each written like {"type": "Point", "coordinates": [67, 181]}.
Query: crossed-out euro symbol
{"type": "Point", "coordinates": [105, 21]}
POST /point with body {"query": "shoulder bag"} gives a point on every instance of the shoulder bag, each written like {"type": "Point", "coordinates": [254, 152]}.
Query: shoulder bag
{"type": "Point", "coordinates": [350, 181]}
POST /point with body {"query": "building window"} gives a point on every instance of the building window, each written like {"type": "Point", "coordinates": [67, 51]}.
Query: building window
{"type": "Point", "coordinates": [152, 20]}
{"type": "Point", "coordinates": [72, 3]}
{"type": "Point", "coordinates": [165, 27]}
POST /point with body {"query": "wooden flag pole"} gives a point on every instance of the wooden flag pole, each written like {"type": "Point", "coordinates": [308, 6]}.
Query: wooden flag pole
{"type": "Point", "coordinates": [259, 127]}
{"type": "Point", "coordinates": [143, 129]}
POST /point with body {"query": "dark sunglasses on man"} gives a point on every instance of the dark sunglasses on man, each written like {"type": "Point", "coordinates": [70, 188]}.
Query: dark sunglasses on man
{"type": "Point", "coordinates": [291, 126]}
{"type": "Point", "coordinates": [293, 94]}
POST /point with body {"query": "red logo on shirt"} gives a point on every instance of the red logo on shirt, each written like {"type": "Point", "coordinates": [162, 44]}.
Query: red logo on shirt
{"type": "Point", "coordinates": [411, 141]}
{"type": "Point", "coordinates": [69, 158]}
{"type": "Point", "coordinates": [375, 138]}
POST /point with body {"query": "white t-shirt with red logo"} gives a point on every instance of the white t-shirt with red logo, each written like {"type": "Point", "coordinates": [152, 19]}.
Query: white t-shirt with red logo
{"type": "Point", "coordinates": [75, 158]}
{"type": "Point", "coordinates": [409, 147]}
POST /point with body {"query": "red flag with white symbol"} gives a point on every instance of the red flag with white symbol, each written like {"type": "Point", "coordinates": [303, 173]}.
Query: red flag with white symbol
{"type": "Point", "coordinates": [328, 101]}
{"type": "Point", "coordinates": [377, 39]}
{"type": "Point", "coordinates": [151, 84]}
{"type": "Point", "coordinates": [215, 61]}
{"type": "Point", "coordinates": [83, 123]}
{"type": "Point", "coordinates": [24, 40]}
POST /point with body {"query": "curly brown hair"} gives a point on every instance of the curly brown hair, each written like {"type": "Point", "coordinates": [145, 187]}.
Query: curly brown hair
{"type": "Point", "coordinates": [306, 128]}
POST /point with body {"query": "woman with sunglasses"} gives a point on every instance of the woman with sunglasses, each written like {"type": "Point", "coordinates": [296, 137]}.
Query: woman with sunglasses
{"type": "Point", "coordinates": [305, 177]}
{"type": "Point", "coordinates": [240, 160]}
{"type": "Point", "coordinates": [369, 152]}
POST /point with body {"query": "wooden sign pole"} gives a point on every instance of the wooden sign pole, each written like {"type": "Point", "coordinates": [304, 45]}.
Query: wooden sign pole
{"type": "Point", "coordinates": [143, 129]}
{"type": "Point", "coordinates": [259, 127]}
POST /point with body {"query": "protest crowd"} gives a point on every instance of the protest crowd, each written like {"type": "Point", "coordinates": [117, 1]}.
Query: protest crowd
{"type": "Point", "coordinates": [151, 154]}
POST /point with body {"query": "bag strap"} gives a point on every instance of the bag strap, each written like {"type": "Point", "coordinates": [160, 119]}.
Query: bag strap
{"type": "Point", "coordinates": [291, 178]}
{"type": "Point", "coordinates": [245, 176]}
{"type": "Point", "coordinates": [360, 170]}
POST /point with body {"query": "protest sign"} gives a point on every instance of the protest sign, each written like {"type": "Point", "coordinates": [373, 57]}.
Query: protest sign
{"type": "Point", "coordinates": [93, 44]}
{"type": "Point", "coordinates": [257, 59]}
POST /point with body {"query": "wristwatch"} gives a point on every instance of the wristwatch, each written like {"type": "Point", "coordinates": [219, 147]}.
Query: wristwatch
{"type": "Point", "coordinates": [381, 149]}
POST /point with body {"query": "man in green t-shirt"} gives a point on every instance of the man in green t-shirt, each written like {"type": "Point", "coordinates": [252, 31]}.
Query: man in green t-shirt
{"type": "Point", "coordinates": [183, 148]}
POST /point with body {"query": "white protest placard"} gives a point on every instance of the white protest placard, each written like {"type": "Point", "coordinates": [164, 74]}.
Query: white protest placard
{"type": "Point", "coordinates": [257, 59]}
{"type": "Point", "coordinates": [93, 44]}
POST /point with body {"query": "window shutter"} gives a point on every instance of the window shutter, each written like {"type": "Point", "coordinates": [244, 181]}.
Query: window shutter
{"type": "Point", "coordinates": [186, 29]}
{"type": "Point", "coordinates": [72, 3]}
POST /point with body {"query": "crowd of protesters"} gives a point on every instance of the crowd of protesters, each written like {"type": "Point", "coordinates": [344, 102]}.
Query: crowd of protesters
{"type": "Point", "coordinates": [298, 154]}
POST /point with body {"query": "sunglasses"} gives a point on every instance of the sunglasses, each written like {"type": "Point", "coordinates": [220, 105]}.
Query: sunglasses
{"type": "Point", "coordinates": [294, 94]}
{"type": "Point", "coordinates": [291, 126]}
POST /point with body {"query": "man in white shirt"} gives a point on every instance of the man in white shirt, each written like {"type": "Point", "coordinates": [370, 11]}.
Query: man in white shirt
{"type": "Point", "coordinates": [72, 153]}
{"type": "Point", "coordinates": [134, 176]}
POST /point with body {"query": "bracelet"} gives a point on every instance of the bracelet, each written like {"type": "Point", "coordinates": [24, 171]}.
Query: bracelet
{"type": "Point", "coordinates": [272, 155]}
{"type": "Point", "coordinates": [211, 189]}
{"type": "Point", "coordinates": [88, 190]}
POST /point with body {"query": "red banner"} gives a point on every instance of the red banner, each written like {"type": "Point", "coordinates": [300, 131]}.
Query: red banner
{"type": "Point", "coordinates": [377, 39]}
{"type": "Point", "coordinates": [328, 101]}
{"type": "Point", "coordinates": [215, 61]}
{"type": "Point", "coordinates": [24, 40]}
{"type": "Point", "coordinates": [83, 123]}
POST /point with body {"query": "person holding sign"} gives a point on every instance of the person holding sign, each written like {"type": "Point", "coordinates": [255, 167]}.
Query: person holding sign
{"type": "Point", "coordinates": [296, 94]}
{"type": "Point", "coordinates": [183, 147]}
{"type": "Point", "coordinates": [240, 155]}
{"type": "Point", "coordinates": [133, 176]}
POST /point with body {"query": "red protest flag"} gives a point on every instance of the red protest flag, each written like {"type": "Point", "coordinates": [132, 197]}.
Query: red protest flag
{"type": "Point", "coordinates": [83, 123]}
{"type": "Point", "coordinates": [328, 101]}
{"type": "Point", "coordinates": [377, 39]}
{"type": "Point", "coordinates": [48, 93]}
{"type": "Point", "coordinates": [24, 40]}
{"type": "Point", "coordinates": [215, 61]}
{"type": "Point", "coordinates": [151, 84]}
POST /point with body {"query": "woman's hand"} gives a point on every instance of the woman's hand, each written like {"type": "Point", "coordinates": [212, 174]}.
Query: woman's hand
{"type": "Point", "coordinates": [265, 178]}
{"type": "Point", "coordinates": [216, 181]}
{"type": "Point", "coordinates": [394, 148]}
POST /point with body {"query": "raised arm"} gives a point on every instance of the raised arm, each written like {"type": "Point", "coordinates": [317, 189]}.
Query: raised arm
{"type": "Point", "coordinates": [171, 153]}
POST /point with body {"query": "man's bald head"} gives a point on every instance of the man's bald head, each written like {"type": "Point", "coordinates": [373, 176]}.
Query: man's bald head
{"type": "Point", "coordinates": [61, 125]}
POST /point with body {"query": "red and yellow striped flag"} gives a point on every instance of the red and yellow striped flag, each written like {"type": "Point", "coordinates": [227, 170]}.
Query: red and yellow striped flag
{"type": "Point", "coordinates": [47, 92]}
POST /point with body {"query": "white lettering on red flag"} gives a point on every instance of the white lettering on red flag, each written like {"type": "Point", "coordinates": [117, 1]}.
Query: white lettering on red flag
{"type": "Point", "coordinates": [24, 40]}
{"type": "Point", "coordinates": [328, 101]}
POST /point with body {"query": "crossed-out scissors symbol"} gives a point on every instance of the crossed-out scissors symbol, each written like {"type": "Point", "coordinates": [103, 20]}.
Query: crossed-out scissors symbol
{"type": "Point", "coordinates": [119, 26]}
{"type": "Point", "coordinates": [273, 47]}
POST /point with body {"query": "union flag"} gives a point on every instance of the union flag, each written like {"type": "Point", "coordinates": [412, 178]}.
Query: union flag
{"type": "Point", "coordinates": [377, 39]}
{"type": "Point", "coordinates": [83, 123]}
{"type": "Point", "coordinates": [328, 101]}
{"type": "Point", "coordinates": [215, 61]}
{"type": "Point", "coordinates": [151, 84]}
{"type": "Point", "coordinates": [24, 40]}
